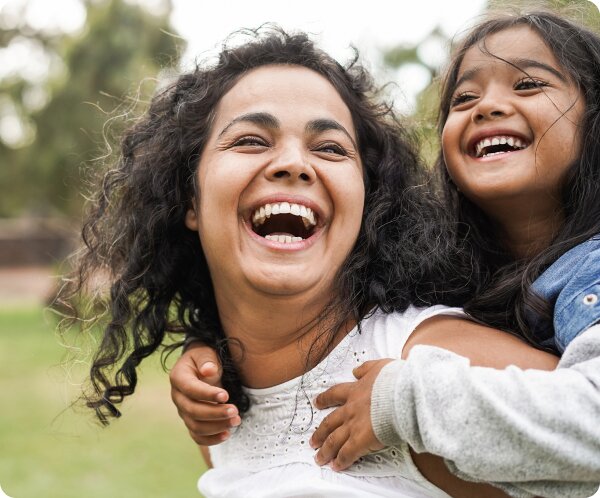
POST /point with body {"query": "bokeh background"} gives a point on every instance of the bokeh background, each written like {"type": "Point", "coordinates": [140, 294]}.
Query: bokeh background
{"type": "Point", "coordinates": [73, 73]}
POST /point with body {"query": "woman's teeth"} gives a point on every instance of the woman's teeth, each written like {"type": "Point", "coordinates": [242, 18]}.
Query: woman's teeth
{"type": "Point", "coordinates": [264, 212]}
{"type": "Point", "coordinates": [283, 239]}
{"type": "Point", "coordinates": [498, 145]}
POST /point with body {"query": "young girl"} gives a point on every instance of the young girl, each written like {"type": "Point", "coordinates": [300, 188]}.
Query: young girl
{"type": "Point", "coordinates": [265, 205]}
{"type": "Point", "coordinates": [520, 134]}
{"type": "Point", "coordinates": [521, 146]}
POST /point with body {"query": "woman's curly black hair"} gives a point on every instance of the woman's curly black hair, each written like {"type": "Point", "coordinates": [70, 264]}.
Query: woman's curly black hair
{"type": "Point", "coordinates": [159, 280]}
{"type": "Point", "coordinates": [503, 294]}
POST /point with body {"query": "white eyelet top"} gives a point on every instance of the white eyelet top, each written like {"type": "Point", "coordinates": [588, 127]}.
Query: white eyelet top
{"type": "Point", "coordinates": [268, 455]}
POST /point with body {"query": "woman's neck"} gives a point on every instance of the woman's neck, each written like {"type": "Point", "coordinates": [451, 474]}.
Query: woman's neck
{"type": "Point", "coordinates": [275, 338]}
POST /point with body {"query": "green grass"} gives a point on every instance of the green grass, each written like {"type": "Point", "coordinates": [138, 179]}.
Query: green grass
{"type": "Point", "coordinates": [50, 450]}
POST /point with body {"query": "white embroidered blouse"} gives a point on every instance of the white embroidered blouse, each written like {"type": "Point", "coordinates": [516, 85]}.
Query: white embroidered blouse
{"type": "Point", "coordinates": [268, 455]}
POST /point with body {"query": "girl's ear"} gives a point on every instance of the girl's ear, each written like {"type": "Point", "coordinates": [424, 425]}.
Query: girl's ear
{"type": "Point", "coordinates": [191, 218]}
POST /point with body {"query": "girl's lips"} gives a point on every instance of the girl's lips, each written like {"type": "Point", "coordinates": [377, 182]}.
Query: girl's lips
{"type": "Point", "coordinates": [472, 143]}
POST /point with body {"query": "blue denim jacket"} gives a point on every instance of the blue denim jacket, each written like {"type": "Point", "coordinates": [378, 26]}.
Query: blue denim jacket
{"type": "Point", "coordinates": [572, 285]}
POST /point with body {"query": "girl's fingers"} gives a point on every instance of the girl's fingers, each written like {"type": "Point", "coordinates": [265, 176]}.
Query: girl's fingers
{"type": "Point", "coordinates": [184, 378]}
{"type": "Point", "coordinates": [331, 446]}
{"type": "Point", "coordinates": [362, 370]}
{"type": "Point", "coordinates": [203, 429]}
{"type": "Point", "coordinates": [346, 456]}
{"type": "Point", "coordinates": [334, 396]}
{"type": "Point", "coordinates": [188, 408]}
{"type": "Point", "coordinates": [210, 440]}
{"type": "Point", "coordinates": [330, 423]}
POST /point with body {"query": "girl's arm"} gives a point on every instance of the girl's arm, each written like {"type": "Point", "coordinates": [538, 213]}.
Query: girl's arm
{"type": "Point", "coordinates": [530, 432]}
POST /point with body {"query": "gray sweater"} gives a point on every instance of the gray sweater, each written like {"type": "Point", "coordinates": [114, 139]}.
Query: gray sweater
{"type": "Point", "coordinates": [528, 432]}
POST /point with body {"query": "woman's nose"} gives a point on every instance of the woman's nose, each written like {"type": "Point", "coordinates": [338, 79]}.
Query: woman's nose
{"type": "Point", "coordinates": [292, 165]}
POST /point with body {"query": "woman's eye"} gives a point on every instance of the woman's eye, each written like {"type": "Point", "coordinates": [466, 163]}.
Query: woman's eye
{"type": "Point", "coordinates": [250, 141]}
{"type": "Point", "coordinates": [529, 84]}
{"type": "Point", "coordinates": [461, 98]}
{"type": "Point", "coordinates": [331, 148]}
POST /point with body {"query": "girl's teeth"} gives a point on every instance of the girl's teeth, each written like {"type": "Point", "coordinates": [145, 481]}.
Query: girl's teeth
{"type": "Point", "coordinates": [499, 140]}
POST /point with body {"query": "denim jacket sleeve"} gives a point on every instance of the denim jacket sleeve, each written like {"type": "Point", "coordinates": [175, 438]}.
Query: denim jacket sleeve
{"type": "Point", "coordinates": [572, 286]}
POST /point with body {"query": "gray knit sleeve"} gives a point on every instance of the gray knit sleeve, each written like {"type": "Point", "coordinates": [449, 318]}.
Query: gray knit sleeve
{"type": "Point", "coordinates": [529, 432]}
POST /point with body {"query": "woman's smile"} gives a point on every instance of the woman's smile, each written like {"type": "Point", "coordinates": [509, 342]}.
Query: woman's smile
{"type": "Point", "coordinates": [280, 185]}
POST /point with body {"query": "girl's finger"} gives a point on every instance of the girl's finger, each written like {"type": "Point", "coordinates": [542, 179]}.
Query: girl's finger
{"type": "Point", "coordinates": [205, 411]}
{"type": "Point", "coordinates": [187, 382]}
{"type": "Point", "coordinates": [346, 456]}
{"type": "Point", "coordinates": [210, 440]}
{"type": "Point", "coordinates": [202, 429]}
{"type": "Point", "coordinates": [334, 396]}
{"type": "Point", "coordinates": [331, 446]}
{"type": "Point", "coordinates": [362, 370]}
{"type": "Point", "coordinates": [329, 424]}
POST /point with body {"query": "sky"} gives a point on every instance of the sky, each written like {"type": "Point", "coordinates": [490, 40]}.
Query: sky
{"type": "Point", "coordinates": [370, 26]}
{"type": "Point", "coordinates": [334, 24]}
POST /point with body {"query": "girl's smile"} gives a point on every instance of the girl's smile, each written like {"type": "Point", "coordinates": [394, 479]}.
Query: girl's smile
{"type": "Point", "coordinates": [513, 127]}
{"type": "Point", "coordinates": [280, 185]}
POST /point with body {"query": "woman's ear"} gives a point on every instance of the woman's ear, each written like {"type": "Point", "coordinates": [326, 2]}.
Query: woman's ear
{"type": "Point", "coordinates": [191, 218]}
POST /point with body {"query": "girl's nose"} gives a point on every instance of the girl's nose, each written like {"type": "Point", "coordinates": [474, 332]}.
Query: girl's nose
{"type": "Point", "coordinates": [490, 108]}
{"type": "Point", "coordinates": [292, 165]}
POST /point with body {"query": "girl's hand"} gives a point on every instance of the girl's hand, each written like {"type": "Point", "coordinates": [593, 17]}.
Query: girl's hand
{"type": "Point", "coordinates": [200, 401]}
{"type": "Point", "coordinates": [346, 434]}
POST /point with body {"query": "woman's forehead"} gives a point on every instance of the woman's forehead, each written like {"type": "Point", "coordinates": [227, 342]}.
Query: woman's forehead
{"type": "Point", "coordinates": [284, 90]}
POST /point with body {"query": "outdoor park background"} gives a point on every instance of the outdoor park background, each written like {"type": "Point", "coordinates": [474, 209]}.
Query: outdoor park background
{"type": "Point", "coordinates": [64, 73]}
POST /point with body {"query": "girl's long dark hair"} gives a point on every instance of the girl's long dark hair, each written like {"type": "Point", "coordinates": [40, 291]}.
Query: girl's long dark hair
{"type": "Point", "coordinates": [159, 280]}
{"type": "Point", "coordinates": [504, 294]}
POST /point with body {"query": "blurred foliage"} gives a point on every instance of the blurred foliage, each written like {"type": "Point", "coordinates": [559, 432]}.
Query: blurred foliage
{"type": "Point", "coordinates": [97, 77]}
{"type": "Point", "coordinates": [424, 115]}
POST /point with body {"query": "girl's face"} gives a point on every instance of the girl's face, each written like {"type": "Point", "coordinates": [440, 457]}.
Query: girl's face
{"type": "Point", "coordinates": [280, 183]}
{"type": "Point", "coordinates": [513, 127]}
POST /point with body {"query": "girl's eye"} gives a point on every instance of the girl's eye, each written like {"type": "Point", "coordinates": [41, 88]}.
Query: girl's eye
{"type": "Point", "coordinates": [249, 141]}
{"type": "Point", "coordinates": [332, 148]}
{"type": "Point", "coordinates": [461, 98]}
{"type": "Point", "coordinates": [530, 84]}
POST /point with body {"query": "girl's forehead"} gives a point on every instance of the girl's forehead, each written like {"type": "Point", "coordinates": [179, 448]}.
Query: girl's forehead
{"type": "Point", "coordinates": [513, 45]}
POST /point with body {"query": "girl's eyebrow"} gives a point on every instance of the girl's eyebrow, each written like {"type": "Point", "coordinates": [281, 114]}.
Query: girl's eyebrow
{"type": "Point", "coordinates": [263, 119]}
{"type": "Point", "coordinates": [518, 63]}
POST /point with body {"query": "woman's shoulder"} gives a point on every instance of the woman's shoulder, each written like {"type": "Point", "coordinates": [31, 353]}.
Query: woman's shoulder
{"type": "Point", "coordinates": [387, 333]}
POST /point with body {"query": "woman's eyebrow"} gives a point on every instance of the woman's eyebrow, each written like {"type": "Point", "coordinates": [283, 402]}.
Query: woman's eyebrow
{"type": "Point", "coordinates": [263, 119]}
{"type": "Point", "coordinates": [321, 125]}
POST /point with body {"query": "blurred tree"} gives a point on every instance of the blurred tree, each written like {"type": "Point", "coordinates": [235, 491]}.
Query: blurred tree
{"type": "Point", "coordinates": [99, 79]}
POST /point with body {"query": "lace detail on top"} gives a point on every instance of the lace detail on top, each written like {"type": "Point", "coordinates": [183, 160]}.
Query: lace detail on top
{"type": "Point", "coordinates": [277, 428]}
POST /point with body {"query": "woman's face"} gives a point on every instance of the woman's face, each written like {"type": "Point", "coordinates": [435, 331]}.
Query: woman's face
{"type": "Point", "coordinates": [280, 186]}
{"type": "Point", "coordinates": [513, 128]}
